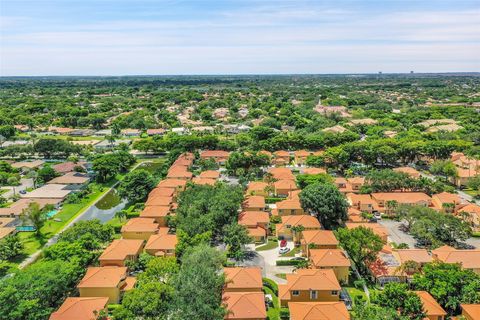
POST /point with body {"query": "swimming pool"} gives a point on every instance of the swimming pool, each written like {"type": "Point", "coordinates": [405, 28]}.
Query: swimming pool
{"type": "Point", "coordinates": [25, 228]}
{"type": "Point", "coordinates": [51, 213]}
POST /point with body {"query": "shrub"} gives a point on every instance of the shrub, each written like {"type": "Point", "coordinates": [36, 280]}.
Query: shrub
{"type": "Point", "coordinates": [284, 313]}
{"type": "Point", "coordinates": [269, 283]}
{"type": "Point", "coordinates": [289, 262]}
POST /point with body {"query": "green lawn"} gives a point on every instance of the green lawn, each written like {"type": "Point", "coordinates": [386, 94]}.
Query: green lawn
{"type": "Point", "coordinates": [33, 243]}
{"type": "Point", "coordinates": [270, 245]}
{"type": "Point", "coordinates": [281, 275]}
{"type": "Point", "coordinates": [273, 313]}
{"type": "Point", "coordinates": [292, 253]}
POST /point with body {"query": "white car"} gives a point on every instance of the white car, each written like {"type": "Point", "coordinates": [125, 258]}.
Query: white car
{"type": "Point", "coordinates": [377, 216]}
{"type": "Point", "coordinates": [283, 250]}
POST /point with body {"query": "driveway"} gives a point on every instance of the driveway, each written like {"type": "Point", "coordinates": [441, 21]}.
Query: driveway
{"type": "Point", "coordinates": [11, 191]}
{"type": "Point", "coordinates": [395, 234]}
{"type": "Point", "coordinates": [266, 260]}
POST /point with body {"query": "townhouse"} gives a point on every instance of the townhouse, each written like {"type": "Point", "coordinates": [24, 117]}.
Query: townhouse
{"type": "Point", "coordinates": [257, 223]}
{"type": "Point", "coordinates": [317, 239]}
{"type": "Point", "coordinates": [286, 228]}
{"type": "Point", "coordinates": [120, 251]}
{"type": "Point", "coordinates": [309, 285]}
{"type": "Point", "coordinates": [433, 310]}
{"type": "Point", "coordinates": [79, 308]}
{"type": "Point", "coordinates": [254, 203]}
{"type": "Point", "coordinates": [335, 310]}
{"type": "Point", "coordinates": [468, 259]}
{"type": "Point", "coordinates": [242, 294]}
{"type": "Point", "coordinates": [334, 259]}
{"type": "Point", "coordinates": [110, 282]}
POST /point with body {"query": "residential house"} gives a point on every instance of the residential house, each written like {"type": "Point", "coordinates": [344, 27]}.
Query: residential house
{"type": "Point", "coordinates": [139, 228]}
{"type": "Point", "coordinates": [219, 156]}
{"type": "Point", "coordinates": [378, 229]}
{"type": "Point", "coordinates": [6, 227]}
{"type": "Point", "coordinates": [384, 200]}
{"type": "Point", "coordinates": [470, 311]}
{"type": "Point", "coordinates": [309, 285]}
{"type": "Point", "coordinates": [130, 132]}
{"type": "Point", "coordinates": [49, 191]}
{"type": "Point", "coordinates": [338, 129]}
{"type": "Point", "coordinates": [398, 265]}
{"type": "Point", "coordinates": [281, 174]}
{"type": "Point", "coordinates": [284, 187]}
{"type": "Point", "coordinates": [109, 282]}
{"type": "Point", "coordinates": [161, 245]}
{"type": "Point", "coordinates": [159, 201]}
{"type": "Point", "coordinates": [356, 183]}
{"type": "Point", "coordinates": [28, 165]}
{"type": "Point", "coordinates": [180, 173]}
{"type": "Point", "coordinates": [156, 132]}
{"type": "Point", "coordinates": [69, 166]}
{"type": "Point", "coordinates": [288, 207]}
{"type": "Point", "coordinates": [300, 156]}
{"type": "Point", "coordinates": [120, 251]}
{"type": "Point", "coordinates": [254, 203]}
{"type": "Point", "coordinates": [243, 279]}
{"type": "Point", "coordinates": [446, 201]}
{"type": "Point", "coordinates": [335, 310]}
{"type": "Point", "coordinates": [244, 305]}
{"type": "Point", "coordinates": [364, 122]}
{"type": "Point", "coordinates": [433, 310]}
{"type": "Point", "coordinates": [163, 192]}
{"type": "Point", "coordinates": [158, 213]}
{"type": "Point", "coordinates": [16, 208]}
{"type": "Point", "coordinates": [329, 110]}
{"type": "Point", "coordinates": [468, 259]}
{"type": "Point", "coordinates": [318, 239]}
{"type": "Point", "coordinates": [204, 181]}
{"type": "Point", "coordinates": [284, 228]}
{"type": "Point", "coordinates": [343, 185]}
{"type": "Point", "coordinates": [257, 188]}
{"type": "Point", "coordinates": [471, 214]}
{"type": "Point", "coordinates": [73, 180]}
{"type": "Point", "coordinates": [210, 174]}
{"type": "Point", "coordinates": [256, 222]}
{"type": "Point", "coordinates": [334, 259]}
{"type": "Point", "coordinates": [408, 170]}
{"type": "Point", "coordinates": [77, 308]}
{"type": "Point", "coordinates": [281, 157]}
{"type": "Point", "coordinates": [314, 171]}
{"type": "Point", "coordinates": [362, 202]}
{"type": "Point", "coordinates": [178, 184]}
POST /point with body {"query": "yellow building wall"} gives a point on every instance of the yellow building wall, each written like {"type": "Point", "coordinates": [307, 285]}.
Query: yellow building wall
{"type": "Point", "coordinates": [137, 235]}
{"type": "Point", "coordinates": [341, 273]}
{"type": "Point", "coordinates": [305, 297]}
{"type": "Point", "coordinates": [290, 212]}
{"type": "Point", "coordinates": [113, 294]}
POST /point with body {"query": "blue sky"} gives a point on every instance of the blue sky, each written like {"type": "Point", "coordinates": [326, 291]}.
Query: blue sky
{"type": "Point", "coordinates": [120, 37]}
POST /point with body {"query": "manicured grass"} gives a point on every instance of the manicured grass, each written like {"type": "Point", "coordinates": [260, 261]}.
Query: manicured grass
{"type": "Point", "coordinates": [281, 275]}
{"type": "Point", "coordinates": [270, 245]}
{"type": "Point", "coordinates": [273, 313]}
{"type": "Point", "coordinates": [292, 253]}
{"type": "Point", "coordinates": [355, 292]}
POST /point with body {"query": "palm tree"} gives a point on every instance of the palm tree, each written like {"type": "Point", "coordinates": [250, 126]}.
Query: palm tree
{"type": "Point", "coordinates": [121, 215]}
{"type": "Point", "coordinates": [297, 230]}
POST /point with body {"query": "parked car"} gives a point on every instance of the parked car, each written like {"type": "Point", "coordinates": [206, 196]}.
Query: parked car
{"type": "Point", "coordinates": [377, 216]}
{"type": "Point", "coordinates": [283, 243]}
{"type": "Point", "coordinates": [283, 250]}
{"type": "Point", "coordinates": [22, 192]}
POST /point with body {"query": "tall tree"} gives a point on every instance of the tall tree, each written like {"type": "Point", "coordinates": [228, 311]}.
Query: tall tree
{"type": "Point", "coordinates": [136, 185]}
{"type": "Point", "coordinates": [198, 285]}
{"type": "Point", "coordinates": [361, 244]}
{"type": "Point", "coordinates": [326, 202]}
